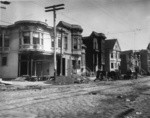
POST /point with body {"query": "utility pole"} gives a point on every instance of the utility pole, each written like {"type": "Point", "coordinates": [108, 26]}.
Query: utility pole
{"type": "Point", "coordinates": [54, 8]}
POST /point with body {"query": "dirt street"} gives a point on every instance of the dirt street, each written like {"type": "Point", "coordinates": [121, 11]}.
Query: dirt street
{"type": "Point", "coordinates": [105, 99]}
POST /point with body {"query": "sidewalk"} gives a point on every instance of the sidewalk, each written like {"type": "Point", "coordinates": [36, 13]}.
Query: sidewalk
{"type": "Point", "coordinates": [22, 83]}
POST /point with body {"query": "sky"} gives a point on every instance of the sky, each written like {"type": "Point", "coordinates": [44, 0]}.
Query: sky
{"type": "Point", "coordinates": [126, 20]}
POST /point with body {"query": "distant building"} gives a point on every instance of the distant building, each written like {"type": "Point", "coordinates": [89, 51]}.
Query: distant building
{"type": "Point", "coordinates": [129, 61]}
{"type": "Point", "coordinates": [95, 52]}
{"type": "Point", "coordinates": [145, 60]}
{"type": "Point", "coordinates": [27, 48]}
{"type": "Point", "coordinates": [112, 55]}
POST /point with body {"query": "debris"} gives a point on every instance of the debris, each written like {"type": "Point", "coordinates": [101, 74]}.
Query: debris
{"type": "Point", "coordinates": [138, 113]}
{"type": "Point", "coordinates": [124, 113]}
{"type": "Point", "coordinates": [119, 96]}
{"type": "Point", "coordinates": [128, 100]}
{"type": "Point", "coordinates": [93, 93]}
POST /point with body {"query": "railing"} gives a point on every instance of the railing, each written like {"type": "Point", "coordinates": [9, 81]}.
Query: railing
{"type": "Point", "coordinates": [31, 47]}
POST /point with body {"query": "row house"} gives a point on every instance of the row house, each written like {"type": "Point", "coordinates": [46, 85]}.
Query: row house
{"type": "Point", "coordinates": [95, 51]}
{"type": "Point", "coordinates": [145, 60]}
{"type": "Point", "coordinates": [75, 52]}
{"type": "Point", "coordinates": [112, 56]}
{"type": "Point", "coordinates": [130, 60]}
{"type": "Point", "coordinates": [27, 49]}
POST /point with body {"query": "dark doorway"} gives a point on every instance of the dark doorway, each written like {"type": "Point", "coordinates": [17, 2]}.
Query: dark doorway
{"type": "Point", "coordinates": [58, 66]}
{"type": "Point", "coordinates": [63, 66]}
{"type": "Point", "coordinates": [24, 66]}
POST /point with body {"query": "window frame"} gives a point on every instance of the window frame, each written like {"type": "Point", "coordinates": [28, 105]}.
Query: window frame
{"type": "Point", "coordinates": [4, 61]}
{"type": "Point", "coordinates": [36, 40]}
{"type": "Point", "coordinates": [112, 65]}
{"type": "Point", "coordinates": [65, 42]}
{"type": "Point", "coordinates": [29, 40]}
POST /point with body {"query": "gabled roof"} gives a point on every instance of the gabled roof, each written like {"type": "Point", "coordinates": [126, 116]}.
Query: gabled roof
{"type": "Point", "coordinates": [148, 47]}
{"type": "Point", "coordinates": [109, 44]}
{"type": "Point", "coordinates": [70, 26]}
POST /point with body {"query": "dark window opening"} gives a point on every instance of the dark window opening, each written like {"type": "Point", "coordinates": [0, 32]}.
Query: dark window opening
{"type": "Point", "coordinates": [26, 37]}
{"type": "Point", "coordinates": [112, 65]}
{"type": "Point", "coordinates": [4, 61]}
{"type": "Point", "coordinates": [66, 43]}
{"type": "Point", "coordinates": [75, 43]}
{"type": "Point", "coordinates": [1, 40]}
{"type": "Point", "coordinates": [6, 41]}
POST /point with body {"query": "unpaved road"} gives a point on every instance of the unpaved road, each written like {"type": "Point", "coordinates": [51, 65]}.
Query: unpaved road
{"type": "Point", "coordinates": [105, 99]}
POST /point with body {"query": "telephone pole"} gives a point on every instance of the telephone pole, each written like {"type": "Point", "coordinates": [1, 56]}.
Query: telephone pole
{"type": "Point", "coordinates": [54, 8]}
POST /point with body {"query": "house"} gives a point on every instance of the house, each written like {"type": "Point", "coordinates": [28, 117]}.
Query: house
{"type": "Point", "coordinates": [145, 60]}
{"type": "Point", "coordinates": [112, 55]}
{"type": "Point", "coordinates": [129, 61]}
{"type": "Point", "coordinates": [73, 55]}
{"type": "Point", "coordinates": [27, 49]}
{"type": "Point", "coordinates": [95, 52]}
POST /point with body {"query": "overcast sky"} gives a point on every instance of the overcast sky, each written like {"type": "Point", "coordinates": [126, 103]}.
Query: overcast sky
{"type": "Point", "coordinates": [126, 20]}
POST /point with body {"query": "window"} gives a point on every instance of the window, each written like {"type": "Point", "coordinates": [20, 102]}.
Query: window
{"type": "Point", "coordinates": [112, 65]}
{"type": "Point", "coordinates": [1, 40]}
{"type": "Point", "coordinates": [78, 66]}
{"type": "Point", "coordinates": [79, 43]}
{"type": "Point", "coordinates": [59, 42]}
{"type": "Point", "coordinates": [52, 42]}
{"type": "Point", "coordinates": [4, 61]}
{"type": "Point", "coordinates": [112, 55]}
{"type": "Point", "coordinates": [42, 38]}
{"type": "Point", "coordinates": [116, 65]}
{"type": "Point", "coordinates": [66, 43]}
{"type": "Point", "coordinates": [6, 41]}
{"type": "Point", "coordinates": [75, 43]}
{"type": "Point", "coordinates": [36, 39]}
{"type": "Point", "coordinates": [26, 37]}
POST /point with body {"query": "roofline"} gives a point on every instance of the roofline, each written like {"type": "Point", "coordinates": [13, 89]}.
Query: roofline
{"type": "Point", "coordinates": [28, 22]}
